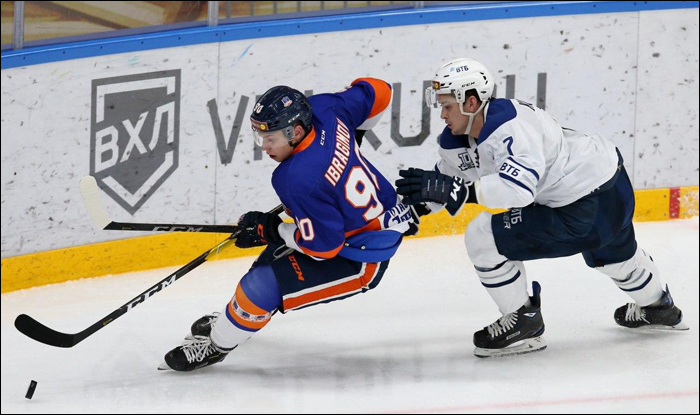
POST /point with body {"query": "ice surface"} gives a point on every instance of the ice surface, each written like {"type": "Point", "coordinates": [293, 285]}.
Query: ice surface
{"type": "Point", "coordinates": [401, 348]}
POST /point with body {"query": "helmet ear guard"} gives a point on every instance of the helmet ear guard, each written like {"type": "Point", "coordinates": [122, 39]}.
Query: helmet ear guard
{"type": "Point", "coordinates": [289, 133]}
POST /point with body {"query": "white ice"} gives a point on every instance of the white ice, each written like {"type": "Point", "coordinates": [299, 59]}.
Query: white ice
{"type": "Point", "coordinates": [404, 347]}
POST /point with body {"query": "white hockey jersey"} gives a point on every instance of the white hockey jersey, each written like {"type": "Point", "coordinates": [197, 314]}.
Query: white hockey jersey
{"type": "Point", "coordinates": [523, 155]}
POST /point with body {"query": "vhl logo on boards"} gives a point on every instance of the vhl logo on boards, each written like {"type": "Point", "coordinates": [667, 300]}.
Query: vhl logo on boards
{"type": "Point", "coordinates": [134, 137]}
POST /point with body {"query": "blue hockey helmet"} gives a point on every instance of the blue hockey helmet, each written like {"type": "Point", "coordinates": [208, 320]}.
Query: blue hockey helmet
{"type": "Point", "coordinates": [280, 108]}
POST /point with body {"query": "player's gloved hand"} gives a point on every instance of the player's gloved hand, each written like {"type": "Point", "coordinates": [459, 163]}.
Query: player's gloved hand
{"type": "Point", "coordinates": [416, 212]}
{"type": "Point", "coordinates": [419, 186]}
{"type": "Point", "coordinates": [419, 209]}
{"type": "Point", "coordinates": [259, 229]}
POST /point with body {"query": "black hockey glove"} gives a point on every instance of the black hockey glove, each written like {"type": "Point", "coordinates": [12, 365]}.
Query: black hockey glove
{"type": "Point", "coordinates": [259, 229]}
{"type": "Point", "coordinates": [419, 186]}
{"type": "Point", "coordinates": [419, 210]}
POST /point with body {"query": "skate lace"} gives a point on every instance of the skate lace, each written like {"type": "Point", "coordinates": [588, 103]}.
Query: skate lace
{"type": "Point", "coordinates": [213, 317]}
{"type": "Point", "coordinates": [635, 313]}
{"type": "Point", "coordinates": [503, 324]}
{"type": "Point", "coordinates": [198, 348]}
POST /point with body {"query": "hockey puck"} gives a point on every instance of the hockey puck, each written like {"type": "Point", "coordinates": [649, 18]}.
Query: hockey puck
{"type": "Point", "coordinates": [30, 391]}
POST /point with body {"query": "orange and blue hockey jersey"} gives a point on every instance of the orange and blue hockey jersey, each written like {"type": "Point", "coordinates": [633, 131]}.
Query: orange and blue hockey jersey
{"type": "Point", "coordinates": [340, 203]}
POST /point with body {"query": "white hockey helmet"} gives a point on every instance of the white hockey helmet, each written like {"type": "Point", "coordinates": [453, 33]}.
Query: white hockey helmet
{"type": "Point", "coordinates": [456, 78]}
{"type": "Point", "coordinates": [459, 76]}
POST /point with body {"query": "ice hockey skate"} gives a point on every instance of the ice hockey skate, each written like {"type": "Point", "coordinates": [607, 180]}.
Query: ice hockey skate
{"type": "Point", "coordinates": [519, 332]}
{"type": "Point", "coordinates": [651, 318]}
{"type": "Point", "coordinates": [197, 350]}
{"type": "Point", "coordinates": [195, 353]}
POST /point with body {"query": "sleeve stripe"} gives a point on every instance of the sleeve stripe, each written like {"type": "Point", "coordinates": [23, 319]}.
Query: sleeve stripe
{"type": "Point", "coordinates": [534, 173]}
{"type": "Point", "coordinates": [382, 94]}
{"type": "Point", "coordinates": [516, 182]}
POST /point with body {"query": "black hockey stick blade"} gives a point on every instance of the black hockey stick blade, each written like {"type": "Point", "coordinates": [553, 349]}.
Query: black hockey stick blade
{"type": "Point", "coordinates": [39, 332]}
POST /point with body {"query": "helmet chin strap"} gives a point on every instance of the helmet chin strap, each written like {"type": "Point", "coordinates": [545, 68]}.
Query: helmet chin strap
{"type": "Point", "coordinates": [471, 115]}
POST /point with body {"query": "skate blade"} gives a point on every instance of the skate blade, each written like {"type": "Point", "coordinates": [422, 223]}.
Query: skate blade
{"type": "Point", "coordinates": [534, 344]}
{"type": "Point", "coordinates": [680, 326]}
{"type": "Point", "coordinates": [164, 366]}
{"type": "Point", "coordinates": [658, 327]}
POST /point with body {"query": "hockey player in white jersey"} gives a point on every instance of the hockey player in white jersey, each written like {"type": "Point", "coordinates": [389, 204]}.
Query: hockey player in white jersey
{"type": "Point", "coordinates": [566, 193]}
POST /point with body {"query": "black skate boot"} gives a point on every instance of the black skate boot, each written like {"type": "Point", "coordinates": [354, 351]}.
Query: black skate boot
{"type": "Point", "coordinates": [665, 316]}
{"type": "Point", "coordinates": [194, 353]}
{"type": "Point", "coordinates": [515, 333]}
{"type": "Point", "coordinates": [202, 327]}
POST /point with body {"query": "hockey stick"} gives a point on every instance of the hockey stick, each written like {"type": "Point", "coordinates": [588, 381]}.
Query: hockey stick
{"type": "Point", "coordinates": [39, 332]}
{"type": "Point", "coordinates": [91, 197]}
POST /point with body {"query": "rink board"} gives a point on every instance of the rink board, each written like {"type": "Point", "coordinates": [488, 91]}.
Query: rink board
{"type": "Point", "coordinates": [149, 252]}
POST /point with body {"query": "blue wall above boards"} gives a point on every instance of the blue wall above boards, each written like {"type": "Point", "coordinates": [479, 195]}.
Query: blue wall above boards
{"type": "Point", "coordinates": [368, 20]}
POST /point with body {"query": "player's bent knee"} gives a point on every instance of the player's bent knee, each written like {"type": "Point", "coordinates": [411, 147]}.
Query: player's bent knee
{"type": "Point", "coordinates": [480, 243]}
{"type": "Point", "coordinates": [251, 308]}
{"type": "Point", "coordinates": [477, 229]}
{"type": "Point", "coordinates": [260, 287]}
